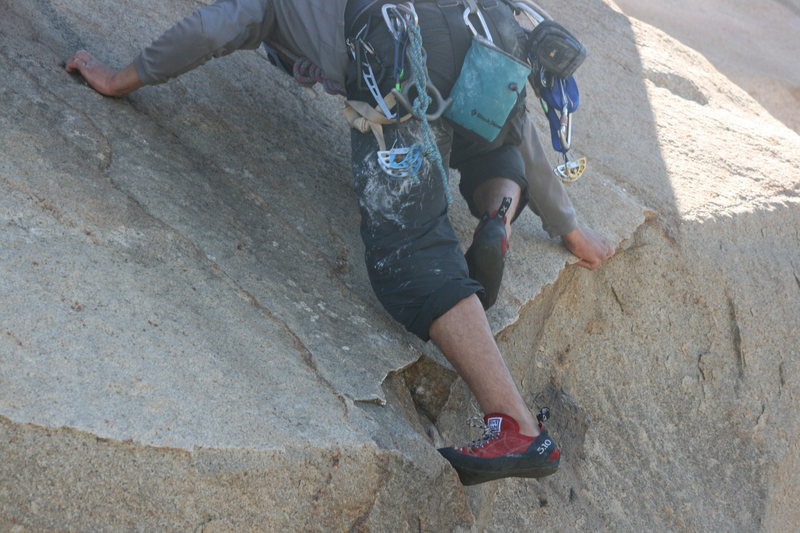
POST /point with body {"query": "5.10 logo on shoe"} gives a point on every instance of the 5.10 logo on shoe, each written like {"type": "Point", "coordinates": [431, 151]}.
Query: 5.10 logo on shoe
{"type": "Point", "coordinates": [543, 446]}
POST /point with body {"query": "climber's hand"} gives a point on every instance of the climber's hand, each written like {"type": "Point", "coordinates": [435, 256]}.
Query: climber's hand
{"type": "Point", "coordinates": [589, 246]}
{"type": "Point", "coordinates": [102, 78]}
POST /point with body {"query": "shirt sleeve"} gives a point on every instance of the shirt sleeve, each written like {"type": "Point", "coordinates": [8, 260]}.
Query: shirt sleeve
{"type": "Point", "coordinates": [548, 196]}
{"type": "Point", "coordinates": [211, 31]}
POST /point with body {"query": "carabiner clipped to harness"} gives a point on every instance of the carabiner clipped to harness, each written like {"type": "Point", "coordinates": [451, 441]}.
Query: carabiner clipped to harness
{"type": "Point", "coordinates": [554, 54]}
{"type": "Point", "coordinates": [472, 9]}
{"type": "Point", "coordinates": [395, 22]}
{"type": "Point", "coordinates": [560, 99]}
{"type": "Point", "coordinates": [398, 17]}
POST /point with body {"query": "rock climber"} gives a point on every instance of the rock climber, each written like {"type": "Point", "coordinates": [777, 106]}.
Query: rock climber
{"type": "Point", "coordinates": [360, 49]}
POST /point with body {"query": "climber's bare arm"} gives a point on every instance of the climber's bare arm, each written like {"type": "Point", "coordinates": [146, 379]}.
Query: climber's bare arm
{"type": "Point", "coordinates": [589, 246]}
{"type": "Point", "coordinates": [102, 78]}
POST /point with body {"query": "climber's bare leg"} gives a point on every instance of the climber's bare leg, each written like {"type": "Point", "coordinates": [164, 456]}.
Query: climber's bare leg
{"type": "Point", "coordinates": [465, 338]}
{"type": "Point", "coordinates": [489, 195]}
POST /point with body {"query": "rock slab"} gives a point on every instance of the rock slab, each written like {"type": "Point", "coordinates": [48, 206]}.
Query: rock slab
{"type": "Point", "coordinates": [189, 341]}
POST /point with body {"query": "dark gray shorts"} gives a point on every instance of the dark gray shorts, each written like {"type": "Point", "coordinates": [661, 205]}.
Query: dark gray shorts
{"type": "Point", "coordinates": [413, 258]}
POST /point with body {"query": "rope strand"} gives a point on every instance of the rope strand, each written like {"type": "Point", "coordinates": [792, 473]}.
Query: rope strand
{"type": "Point", "coordinates": [427, 145]}
{"type": "Point", "coordinates": [307, 73]}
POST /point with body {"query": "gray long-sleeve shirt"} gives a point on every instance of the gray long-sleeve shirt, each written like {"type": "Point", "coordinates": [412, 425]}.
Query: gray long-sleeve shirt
{"type": "Point", "coordinates": [310, 28]}
{"type": "Point", "coordinates": [313, 29]}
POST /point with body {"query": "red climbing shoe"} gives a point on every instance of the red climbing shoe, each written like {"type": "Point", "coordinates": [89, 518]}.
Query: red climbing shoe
{"type": "Point", "coordinates": [502, 452]}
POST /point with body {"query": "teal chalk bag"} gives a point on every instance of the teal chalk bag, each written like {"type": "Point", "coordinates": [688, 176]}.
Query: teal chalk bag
{"type": "Point", "coordinates": [487, 89]}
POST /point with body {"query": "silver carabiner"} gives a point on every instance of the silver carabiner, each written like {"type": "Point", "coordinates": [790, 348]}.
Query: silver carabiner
{"type": "Point", "coordinates": [468, 12]}
{"type": "Point", "coordinates": [394, 21]}
{"type": "Point", "coordinates": [565, 131]}
{"type": "Point", "coordinates": [409, 10]}
{"type": "Point", "coordinates": [398, 17]}
{"type": "Point", "coordinates": [535, 14]}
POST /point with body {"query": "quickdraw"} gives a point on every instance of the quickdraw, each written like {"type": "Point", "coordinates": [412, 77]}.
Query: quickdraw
{"type": "Point", "coordinates": [398, 28]}
{"type": "Point", "coordinates": [560, 99]}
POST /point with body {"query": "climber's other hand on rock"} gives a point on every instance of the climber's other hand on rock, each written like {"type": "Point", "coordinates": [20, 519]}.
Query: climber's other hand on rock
{"type": "Point", "coordinates": [102, 78]}
{"type": "Point", "coordinates": [588, 246]}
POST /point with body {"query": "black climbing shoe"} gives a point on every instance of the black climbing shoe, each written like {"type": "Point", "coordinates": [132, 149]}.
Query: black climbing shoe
{"type": "Point", "coordinates": [486, 256]}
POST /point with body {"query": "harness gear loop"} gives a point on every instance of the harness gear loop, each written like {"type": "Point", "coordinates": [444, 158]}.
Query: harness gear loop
{"type": "Point", "coordinates": [303, 71]}
{"type": "Point", "coordinates": [363, 117]}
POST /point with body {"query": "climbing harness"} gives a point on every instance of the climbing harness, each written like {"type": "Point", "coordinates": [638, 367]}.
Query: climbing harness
{"type": "Point", "coordinates": [363, 117]}
{"type": "Point", "coordinates": [300, 68]}
{"type": "Point", "coordinates": [488, 89]}
{"type": "Point", "coordinates": [402, 162]}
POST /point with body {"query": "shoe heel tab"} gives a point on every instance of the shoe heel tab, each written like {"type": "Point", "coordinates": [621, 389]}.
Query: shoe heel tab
{"type": "Point", "coordinates": [505, 422]}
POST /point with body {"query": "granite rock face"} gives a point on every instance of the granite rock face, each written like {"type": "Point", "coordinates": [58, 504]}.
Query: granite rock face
{"type": "Point", "coordinates": [189, 340]}
{"type": "Point", "coordinates": [752, 45]}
